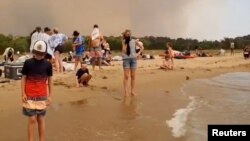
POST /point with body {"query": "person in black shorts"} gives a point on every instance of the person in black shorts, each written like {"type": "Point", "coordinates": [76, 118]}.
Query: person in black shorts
{"type": "Point", "coordinates": [82, 76]}
{"type": "Point", "coordinates": [58, 40]}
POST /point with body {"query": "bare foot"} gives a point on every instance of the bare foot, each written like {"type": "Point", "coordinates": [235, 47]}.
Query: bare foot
{"type": "Point", "coordinates": [133, 94]}
{"type": "Point", "coordinates": [126, 95]}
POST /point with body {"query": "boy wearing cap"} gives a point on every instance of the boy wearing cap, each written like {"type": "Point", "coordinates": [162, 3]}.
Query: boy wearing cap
{"type": "Point", "coordinates": [36, 87]}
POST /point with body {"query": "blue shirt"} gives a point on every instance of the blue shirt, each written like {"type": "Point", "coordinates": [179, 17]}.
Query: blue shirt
{"type": "Point", "coordinates": [79, 40]}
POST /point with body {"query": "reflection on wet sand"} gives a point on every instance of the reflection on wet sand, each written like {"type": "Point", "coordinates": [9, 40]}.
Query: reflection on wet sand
{"type": "Point", "coordinates": [129, 108]}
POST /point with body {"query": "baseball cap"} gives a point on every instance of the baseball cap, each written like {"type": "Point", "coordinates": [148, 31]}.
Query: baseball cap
{"type": "Point", "coordinates": [40, 47]}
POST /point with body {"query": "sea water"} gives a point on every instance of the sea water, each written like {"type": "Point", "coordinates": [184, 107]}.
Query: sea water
{"type": "Point", "coordinates": [224, 99]}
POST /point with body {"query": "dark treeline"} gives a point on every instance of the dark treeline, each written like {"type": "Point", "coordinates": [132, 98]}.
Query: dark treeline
{"type": "Point", "coordinates": [150, 43]}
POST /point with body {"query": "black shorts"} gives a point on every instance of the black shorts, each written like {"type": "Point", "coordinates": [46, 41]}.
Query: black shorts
{"type": "Point", "coordinates": [60, 49]}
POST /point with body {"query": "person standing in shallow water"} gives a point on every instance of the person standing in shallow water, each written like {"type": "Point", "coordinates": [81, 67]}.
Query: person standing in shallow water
{"type": "Point", "coordinates": [129, 57]}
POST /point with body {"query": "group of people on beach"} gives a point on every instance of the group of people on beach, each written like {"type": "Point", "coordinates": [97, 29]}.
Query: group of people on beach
{"type": "Point", "coordinates": [37, 72]}
{"type": "Point", "coordinates": [36, 82]}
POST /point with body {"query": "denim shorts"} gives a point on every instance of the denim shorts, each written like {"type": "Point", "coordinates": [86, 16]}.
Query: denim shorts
{"type": "Point", "coordinates": [79, 54]}
{"type": "Point", "coordinates": [130, 63]}
{"type": "Point", "coordinates": [33, 112]}
{"type": "Point", "coordinates": [35, 106]}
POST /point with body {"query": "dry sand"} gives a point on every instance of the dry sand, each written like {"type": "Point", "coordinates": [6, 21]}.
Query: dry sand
{"type": "Point", "coordinates": [100, 113]}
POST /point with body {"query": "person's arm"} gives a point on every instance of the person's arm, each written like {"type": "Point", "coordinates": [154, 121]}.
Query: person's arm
{"type": "Point", "coordinates": [141, 48]}
{"type": "Point", "coordinates": [49, 90]}
{"type": "Point", "coordinates": [124, 46]}
{"type": "Point", "coordinates": [77, 42]}
{"type": "Point", "coordinates": [23, 81]}
{"type": "Point", "coordinates": [50, 82]}
{"type": "Point", "coordinates": [25, 71]}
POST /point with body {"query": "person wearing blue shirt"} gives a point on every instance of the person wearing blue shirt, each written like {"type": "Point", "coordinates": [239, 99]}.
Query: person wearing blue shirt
{"type": "Point", "coordinates": [78, 47]}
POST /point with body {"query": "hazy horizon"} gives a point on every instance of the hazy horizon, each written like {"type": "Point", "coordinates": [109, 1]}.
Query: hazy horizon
{"type": "Point", "coordinates": [197, 19]}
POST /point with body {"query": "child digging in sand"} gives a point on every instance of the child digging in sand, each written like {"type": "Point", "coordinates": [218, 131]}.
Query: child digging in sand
{"type": "Point", "coordinates": [83, 76]}
{"type": "Point", "coordinates": [36, 86]}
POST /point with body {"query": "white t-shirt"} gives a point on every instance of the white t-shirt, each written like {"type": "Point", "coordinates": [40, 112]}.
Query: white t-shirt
{"type": "Point", "coordinates": [47, 39]}
{"type": "Point", "coordinates": [34, 38]}
{"type": "Point", "coordinates": [232, 45]}
{"type": "Point", "coordinates": [95, 33]}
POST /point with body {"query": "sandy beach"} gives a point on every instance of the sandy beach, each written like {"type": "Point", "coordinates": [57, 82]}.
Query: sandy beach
{"type": "Point", "coordinates": [101, 113]}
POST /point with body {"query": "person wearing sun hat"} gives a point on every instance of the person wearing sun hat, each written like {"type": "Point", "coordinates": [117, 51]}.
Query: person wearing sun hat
{"type": "Point", "coordinates": [36, 84]}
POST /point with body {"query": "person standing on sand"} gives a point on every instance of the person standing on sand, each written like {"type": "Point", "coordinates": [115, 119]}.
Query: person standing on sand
{"type": "Point", "coordinates": [58, 40]}
{"type": "Point", "coordinates": [46, 38]}
{"type": "Point", "coordinates": [170, 53]}
{"type": "Point", "coordinates": [232, 48]}
{"type": "Point", "coordinates": [78, 45]}
{"type": "Point", "coordinates": [129, 57]}
{"type": "Point", "coordinates": [36, 35]}
{"type": "Point", "coordinates": [36, 85]}
{"type": "Point", "coordinates": [95, 47]}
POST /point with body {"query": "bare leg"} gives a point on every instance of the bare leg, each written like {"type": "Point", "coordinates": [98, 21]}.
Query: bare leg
{"type": "Point", "coordinates": [56, 54]}
{"type": "Point", "coordinates": [76, 63]}
{"type": "Point", "coordinates": [93, 61]}
{"type": "Point", "coordinates": [41, 127]}
{"type": "Point", "coordinates": [133, 82]}
{"type": "Point", "coordinates": [85, 78]}
{"type": "Point", "coordinates": [125, 81]}
{"type": "Point", "coordinates": [60, 63]}
{"type": "Point", "coordinates": [100, 62]}
{"type": "Point", "coordinates": [31, 125]}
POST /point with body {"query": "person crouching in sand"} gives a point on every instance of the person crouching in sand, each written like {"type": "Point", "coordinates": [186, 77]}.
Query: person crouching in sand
{"type": "Point", "coordinates": [169, 58]}
{"type": "Point", "coordinates": [36, 87]}
{"type": "Point", "coordinates": [167, 65]}
{"type": "Point", "coordinates": [82, 76]}
{"type": "Point", "coordinates": [129, 57]}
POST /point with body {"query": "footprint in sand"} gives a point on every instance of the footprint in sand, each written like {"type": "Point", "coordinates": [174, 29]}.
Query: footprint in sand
{"type": "Point", "coordinates": [104, 88]}
{"type": "Point", "coordinates": [79, 102]}
{"type": "Point", "coordinates": [104, 77]}
{"type": "Point", "coordinates": [117, 98]}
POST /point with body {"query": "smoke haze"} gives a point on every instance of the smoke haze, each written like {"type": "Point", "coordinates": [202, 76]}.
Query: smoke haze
{"type": "Point", "coordinates": [202, 19]}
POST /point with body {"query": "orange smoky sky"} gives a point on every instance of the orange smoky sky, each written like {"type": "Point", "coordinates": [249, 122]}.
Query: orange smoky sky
{"type": "Point", "coordinates": [202, 19]}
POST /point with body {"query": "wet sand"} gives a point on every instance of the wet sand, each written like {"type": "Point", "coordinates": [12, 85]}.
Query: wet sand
{"type": "Point", "coordinates": [101, 113]}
